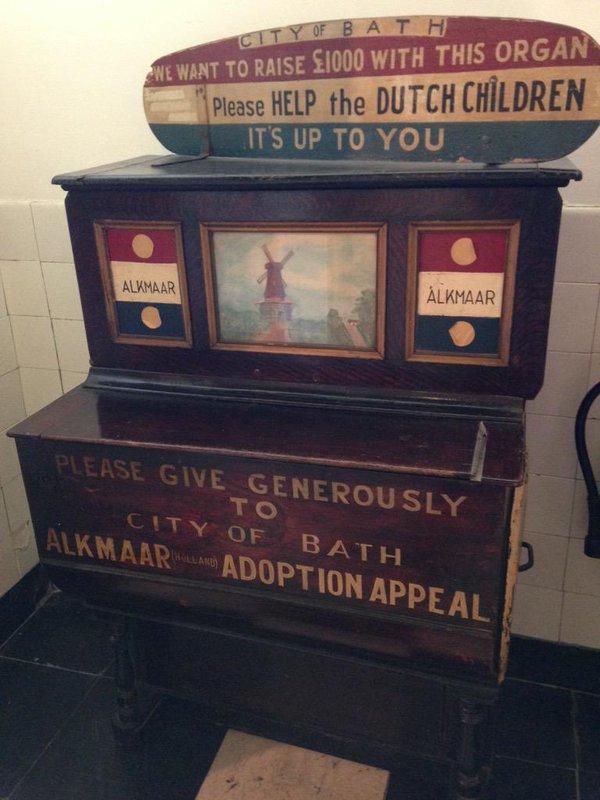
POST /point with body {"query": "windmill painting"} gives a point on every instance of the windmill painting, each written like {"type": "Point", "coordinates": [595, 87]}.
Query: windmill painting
{"type": "Point", "coordinates": [275, 308]}
{"type": "Point", "coordinates": [298, 288]}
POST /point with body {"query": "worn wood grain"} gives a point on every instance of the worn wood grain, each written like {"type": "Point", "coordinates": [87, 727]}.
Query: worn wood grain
{"type": "Point", "coordinates": [537, 209]}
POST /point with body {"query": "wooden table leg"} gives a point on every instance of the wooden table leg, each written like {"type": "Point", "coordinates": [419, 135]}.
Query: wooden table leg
{"type": "Point", "coordinates": [126, 718]}
{"type": "Point", "coordinates": [470, 777]}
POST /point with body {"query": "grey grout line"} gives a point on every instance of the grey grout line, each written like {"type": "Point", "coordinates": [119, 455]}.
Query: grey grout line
{"type": "Point", "coordinates": [54, 666]}
{"type": "Point", "coordinates": [571, 513]}
{"type": "Point", "coordinates": [596, 323]}
{"type": "Point", "coordinates": [566, 565]}
{"type": "Point", "coordinates": [25, 621]}
{"type": "Point", "coordinates": [56, 734]}
{"type": "Point", "coordinates": [35, 238]}
{"type": "Point", "coordinates": [575, 743]}
{"type": "Point", "coordinates": [553, 686]}
{"type": "Point", "coordinates": [537, 763]}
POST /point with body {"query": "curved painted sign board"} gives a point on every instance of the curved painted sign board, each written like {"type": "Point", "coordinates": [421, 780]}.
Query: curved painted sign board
{"type": "Point", "coordinates": [402, 88]}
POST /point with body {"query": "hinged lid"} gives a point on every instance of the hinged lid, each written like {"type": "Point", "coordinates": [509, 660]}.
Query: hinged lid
{"type": "Point", "coordinates": [214, 174]}
{"type": "Point", "coordinates": [397, 438]}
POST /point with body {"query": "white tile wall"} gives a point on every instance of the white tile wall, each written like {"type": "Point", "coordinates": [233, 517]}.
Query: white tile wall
{"type": "Point", "coordinates": [3, 308]}
{"type": "Point", "coordinates": [8, 357]}
{"type": "Point", "coordinates": [40, 387]}
{"type": "Point", "coordinates": [24, 288]}
{"type": "Point", "coordinates": [537, 611]}
{"type": "Point", "coordinates": [51, 232]}
{"type": "Point", "coordinates": [40, 326]}
{"type": "Point", "coordinates": [9, 567]}
{"type": "Point", "coordinates": [550, 561]}
{"type": "Point", "coordinates": [580, 621]}
{"type": "Point", "coordinates": [17, 234]}
{"type": "Point", "coordinates": [578, 248]}
{"type": "Point", "coordinates": [550, 445]}
{"type": "Point", "coordinates": [16, 503]}
{"type": "Point", "coordinates": [71, 379]}
{"type": "Point", "coordinates": [549, 501]}
{"type": "Point", "coordinates": [61, 289]}
{"type": "Point", "coordinates": [12, 407]}
{"type": "Point", "coordinates": [558, 600]}
{"type": "Point", "coordinates": [9, 461]}
{"type": "Point", "coordinates": [579, 517]}
{"type": "Point", "coordinates": [71, 344]}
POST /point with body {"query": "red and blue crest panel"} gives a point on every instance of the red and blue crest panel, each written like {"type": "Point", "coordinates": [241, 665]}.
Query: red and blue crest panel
{"type": "Point", "coordinates": [145, 281]}
{"type": "Point", "coordinates": [462, 279]}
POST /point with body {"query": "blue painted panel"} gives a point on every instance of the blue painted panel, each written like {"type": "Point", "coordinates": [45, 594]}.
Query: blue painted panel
{"type": "Point", "coordinates": [130, 320]}
{"type": "Point", "coordinates": [431, 335]}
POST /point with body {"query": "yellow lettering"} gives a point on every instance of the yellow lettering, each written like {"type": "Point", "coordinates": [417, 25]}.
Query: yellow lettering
{"type": "Point", "coordinates": [61, 462]}
{"type": "Point", "coordinates": [416, 594]}
{"type": "Point", "coordinates": [52, 542]}
{"type": "Point", "coordinates": [459, 606]}
{"type": "Point", "coordinates": [378, 592]}
{"type": "Point", "coordinates": [88, 466]}
{"type": "Point", "coordinates": [476, 615]}
{"type": "Point", "coordinates": [127, 553]}
{"type": "Point", "coordinates": [65, 545]}
{"type": "Point", "coordinates": [397, 591]}
{"type": "Point", "coordinates": [429, 509]}
{"type": "Point", "coordinates": [162, 556]}
{"type": "Point", "coordinates": [216, 479]}
{"type": "Point", "coordinates": [339, 548]}
{"type": "Point", "coordinates": [310, 543]}
{"type": "Point", "coordinates": [81, 543]}
{"type": "Point", "coordinates": [168, 474]}
{"type": "Point", "coordinates": [411, 496]}
{"type": "Point", "coordinates": [395, 556]}
{"type": "Point", "coordinates": [146, 559]}
{"type": "Point", "coordinates": [434, 599]}
{"type": "Point", "coordinates": [454, 504]}
{"type": "Point", "coordinates": [105, 547]}
{"type": "Point", "coordinates": [285, 571]}
{"type": "Point", "coordinates": [229, 570]}
{"type": "Point", "coordinates": [247, 569]}
{"type": "Point", "coordinates": [256, 485]}
{"type": "Point", "coordinates": [278, 491]}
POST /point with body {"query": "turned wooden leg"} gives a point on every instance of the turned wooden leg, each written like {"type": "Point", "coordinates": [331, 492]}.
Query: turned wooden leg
{"type": "Point", "coordinates": [470, 776]}
{"type": "Point", "coordinates": [126, 718]}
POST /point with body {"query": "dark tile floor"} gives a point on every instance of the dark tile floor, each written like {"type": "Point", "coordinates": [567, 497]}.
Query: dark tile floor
{"type": "Point", "coordinates": [56, 741]}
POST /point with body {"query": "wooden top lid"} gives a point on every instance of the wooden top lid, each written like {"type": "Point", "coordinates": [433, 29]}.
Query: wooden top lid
{"type": "Point", "coordinates": [185, 173]}
{"type": "Point", "coordinates": [397, 437]}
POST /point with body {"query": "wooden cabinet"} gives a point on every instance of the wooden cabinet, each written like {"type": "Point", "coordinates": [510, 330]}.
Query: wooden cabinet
{"type": "Point", "coordinates": [297, 465]}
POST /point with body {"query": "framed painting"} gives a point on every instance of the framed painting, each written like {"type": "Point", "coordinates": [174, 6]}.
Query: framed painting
{"type": "Point", "coordinates": [299, 288]}
{"type": "Point", "coordinates": [144, 282]}
{"type": "Point", "coordinates": [460, 291]}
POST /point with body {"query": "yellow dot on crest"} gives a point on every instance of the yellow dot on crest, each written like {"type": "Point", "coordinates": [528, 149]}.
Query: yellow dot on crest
{"type": "Point", "coordinates": [463, 252]}
{"type": "Point", "coordinates": [142, 245]}
{"type": "Point", "coordinates": [462, 333]}
{"type": "Point", "coordinates": [151, 317]}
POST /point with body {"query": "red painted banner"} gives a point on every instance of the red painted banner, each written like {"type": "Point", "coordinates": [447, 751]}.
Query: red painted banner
{"type": "Point", "coordinates": [465, 249]}
{"type": "Point", "coordinates": [409, 88]}
{"type": "Point", "coordinates": [147, 245]}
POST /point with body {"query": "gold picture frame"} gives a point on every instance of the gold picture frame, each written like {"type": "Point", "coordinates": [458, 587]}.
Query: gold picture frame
{"type": "Point", "coordinates": [101, 228]}
{"type": "Point", "coordinates": [512, 229]}
{"type": "Point", "coordinates": [211, 277]}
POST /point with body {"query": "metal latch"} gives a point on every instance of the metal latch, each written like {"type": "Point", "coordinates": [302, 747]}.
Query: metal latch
{"type": "Point", "coordinates": [530, 559]}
